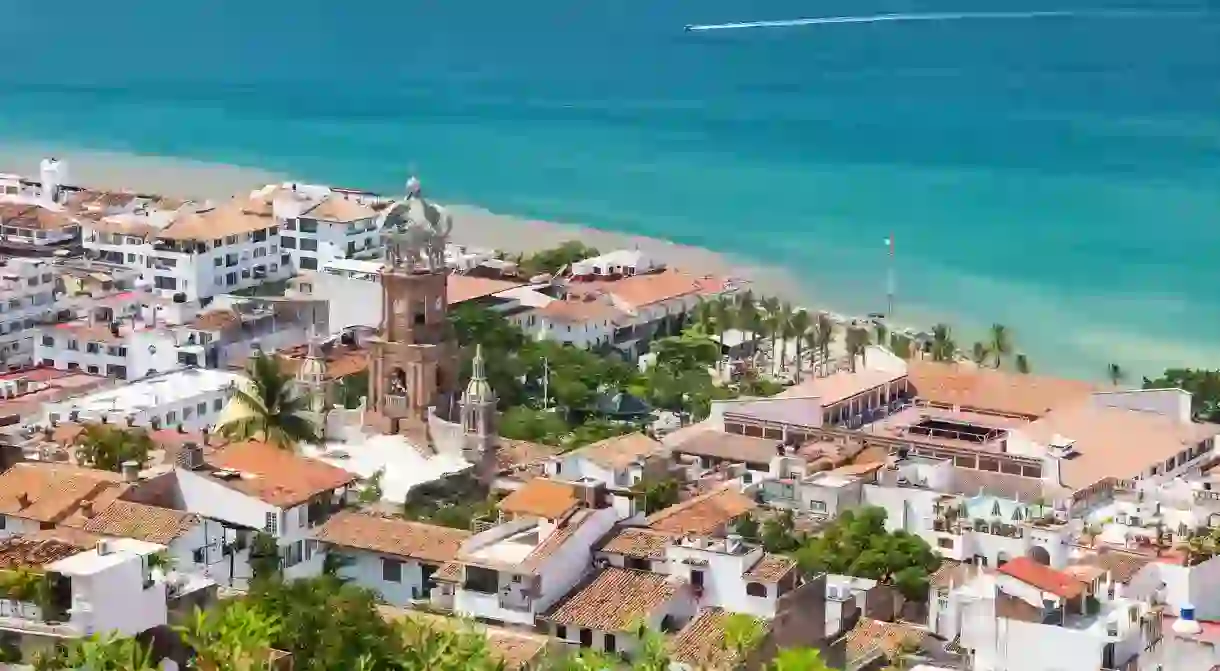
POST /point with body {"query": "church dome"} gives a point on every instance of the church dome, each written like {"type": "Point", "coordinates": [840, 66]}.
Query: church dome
{"type": "Point", "coordinates": [478, 390]}
{"type": "Point", "coordinates": [312, 368]}
{"type": "Point", "coordinates": [414, 211]}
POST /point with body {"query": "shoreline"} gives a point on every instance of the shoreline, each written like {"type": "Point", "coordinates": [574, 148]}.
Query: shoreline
{"type": "Point", "coordinates": [479, 227]}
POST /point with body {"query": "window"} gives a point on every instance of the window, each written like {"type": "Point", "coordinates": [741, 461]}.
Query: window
{"type": "Point", "coordinates": [586, 637]}
{"type": "Point", "coordinates": [269, 523]}
{"type": "Point", "coordinates": [308, 226]}
{"type": "Point", "coordinates": [171, 417]}
{"type": "Point", "coordinates": [303, 514]}
{"type": "Point", "coordinates": [260, 252]}
{"type": "Point", "coordinates": [945, 542]}
{"type": "Point", "coordinates": [48, 341]}
{"type": "Point", "coordinates": [274, 230]}
{"type": "Point", "coordinates": [561, 632]}
{"type": "Point", "coordinates": [3, 521]}
{"type": "Point", "coordinates": [309, 263]}
{"type": "Point", "coordinates": [309, 245]}
{"type": "Point", "coordinates": [756, 589]}
{"type": "Point", "coordinates": [218, 243]}
{"type": "Point", "coordinates": [231, 279]}
{"type": "Point", "coordinates": [112, 350]}
{"type": "Point", "coordinates": [197, 556]}
{"type": "Point", "coordinates": [187, 412]}
{"type": "Point", "coordinates": [163, 282]}
{"type": "Point", "coordinates": [609, 641]}
{"type": "Point", "coordinates": [119, 372]}
{"type": "Point", "coordinates": [817, 506]}
{"type": "Point", "coordinates": [202, 409]}
{"type": "Point", "coordinates": [93, 348]}
{"type": "Point", "coordinates": [93, 370]}
{"type": "Point", "coordinates": [289, 243]}
{"type": "Point", "coordinates": [131, 258]}
{"type": "Point", "coordinates": [391, 570]}
{"type": "Point", "coordinates": [218, 262]}
{"type": "Point", "coordinates": [218, 404]}
{"type": "Point", "coordinates": [696, 578]}
{"type": "Point", "coordinates": [231, 240]}
{"type": "Point", "coordinates": [72, 365]}
{"type": "Point", "coordinates": [290, 225]}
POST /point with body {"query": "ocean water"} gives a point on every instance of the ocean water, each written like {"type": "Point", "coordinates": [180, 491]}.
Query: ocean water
{"type": "Point", "coordinates": [1060, 175]}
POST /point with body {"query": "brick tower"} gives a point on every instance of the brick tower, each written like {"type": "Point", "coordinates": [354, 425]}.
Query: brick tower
{"type": "Point", "coordinates": [413, 363]}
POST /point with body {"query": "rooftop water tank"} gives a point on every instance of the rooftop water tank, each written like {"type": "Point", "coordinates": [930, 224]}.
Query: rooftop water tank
{"type": "Point", "coordinates": [1186, 623]}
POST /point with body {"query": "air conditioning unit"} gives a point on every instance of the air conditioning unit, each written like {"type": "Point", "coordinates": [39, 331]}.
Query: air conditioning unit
{"type": "Point", "coordinates": [103, 547]}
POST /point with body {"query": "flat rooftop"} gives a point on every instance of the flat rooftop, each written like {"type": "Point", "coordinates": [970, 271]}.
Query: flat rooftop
{"type": "Point", "coordinates": [160, 390]}
{"type": "Point", "coordinates": [936, 426]}
{"type": "Point", "coordinates": [511, 550]}
{"type": "Point", "coordinates": [90, 562]}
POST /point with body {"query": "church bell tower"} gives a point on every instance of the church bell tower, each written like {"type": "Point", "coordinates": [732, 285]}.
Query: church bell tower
{"type": "Point", "coordinates": [413, 365]}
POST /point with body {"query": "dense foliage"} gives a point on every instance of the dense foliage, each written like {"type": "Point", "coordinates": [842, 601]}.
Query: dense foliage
{"type": "Point", "coordinates": [106, 447]}
{"type": "Point", "coordinates": [858, 544]}
{"type": "Point", "coordinates": [270, 409]}
{"type": "Point", "coordinates": [1203, 384]}
{"type": "Point", "coordinates": [551, 261]}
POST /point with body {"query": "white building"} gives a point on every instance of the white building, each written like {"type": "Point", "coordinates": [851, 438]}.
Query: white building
{"type": "Point", "coordinates": [319, 224]}
{"type": "Point", "coordinates": [1032, 617]}
{"type": "Point", "coordinates": [617, 462]}
{"type": "Point", "coordinates": [33, 213]}
{"type": "Point", "coordinates": [395, 558]}
{"type": "Point", "coordinates": [112, 588]}
{"type": "Point", "coordinates": [255, 487]}
{"type": "Point", "coordinates": [34, 495]}
{"type": "Point", "coordinates": [126, 351]}
{"type": "Point", "coordinates": [27, 296]}
{"type": "Point", "coordinates": [191, 398]}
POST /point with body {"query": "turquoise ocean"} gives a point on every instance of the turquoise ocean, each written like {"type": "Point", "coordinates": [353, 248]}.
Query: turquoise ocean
{"type": "Point", "coordinates": [1058, 174]}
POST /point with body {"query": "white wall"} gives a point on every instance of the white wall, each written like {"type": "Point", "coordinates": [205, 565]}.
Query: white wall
{"type": "Point", "coordinates": [118, 600]}
{"type": "Point", "coordinates": [364, 568]}
{"type": "Point", "coordinates": [723, 583]}
{"type": "Point", "coordinates": [1168, 402]}
{"type": "Point", "coordinates": [143, 351]}
{"type": "Point", "coordinates": [20, 304]}
{"type": "Point", "coordinates": [15, 526]}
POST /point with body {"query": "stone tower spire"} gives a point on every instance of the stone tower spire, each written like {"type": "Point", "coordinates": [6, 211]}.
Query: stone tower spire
{"type": "Point", "coordinates": [311, 380]}
{"type": "Point", "coordinates": [478, 411]}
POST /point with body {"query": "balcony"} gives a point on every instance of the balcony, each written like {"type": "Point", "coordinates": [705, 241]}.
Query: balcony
{"type": "Point", "coordinates": [396, 406]}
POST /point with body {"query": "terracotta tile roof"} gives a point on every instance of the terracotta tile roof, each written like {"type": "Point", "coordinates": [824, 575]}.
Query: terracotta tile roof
{"type": "Point", "coordinates": [142, 522]}
{"type": "Point", "coordinates": [969, 482]}
{"type": "Point", "coordinates": [643, 290]}
{"type": "Point", "coordinates": [578, 310]}
{"type": "Point", "coordinates": [619, 451]}
{"type": "Point", "coordinates": [84, 332]}
{"type": "Point", "coordinates": [1043, 577]}
{"type": "Point", "coordinates": [54, 490]}
{"type": "Point", "coordinates": [987, 390]}
{"type": "Point", "coordinates": [771, 568]}
{"type": "Point", "coordinates": [337, 208]}
{"type": "Point", "coordinates": [277, 476]}
{"type": "Point", "coordinates": [641, 543]}
{"type": "Point", "coordinates": [514, 648]}
{"type": "Point", "coordinates": [124, 225]}
{"type": "Point", "coordinates": [401, 538]}
{"type": "Point", "coordinates": [703, 514]}
{"type": "Point", "coordinates": [1123, 566]}
{"type": "Point", "coordinates": [558, 538]}
{"type": "Point", "coordinates": [448, 572]}
{"type": "Point", "coordinates": [215, 320]}
{"type": "Point", "coordinates": [339, 360]}
{"type": "Point", "coordinates": [731, 446]}
{"type": "Point", "coordinates": [872, 637]}
{"type": "Point", "coordinates": [1114, 442]}
{"type": "Point", "coordinates": [34, 217]}
{"type": "Point", "coordinates": [614, 600]}
{"type": "Point", "coordinates": [842, 385]}
{"type": "Point", "coordinates": [955, 573]}
{"type": "Point", "coordinates": [23, 552]}
{"type": "Point", "coordinates": [511, 454]}
{"type": "Point", "coordinates": [702, 644]}
{"type": "Point", "coordinates": [232, 218]}
{"type": "Point", "coordinates": [1085, 573]}
{"type": "Point", "coordinates": [541, 497]}
{"type": "Point", "coordinates": [1013, 608]}
{"type": "Point", "coordinates": [462, 288]}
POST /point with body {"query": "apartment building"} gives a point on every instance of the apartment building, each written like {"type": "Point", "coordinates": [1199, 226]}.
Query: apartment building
{"type": "Point", "coordinates": [27, 297]}
{"type": "Point", "coordinates": [191, 399]}
{"type": "Point", "coordinates": [319, 224]}
{"type": "Point", "coordinates": [122, 350]}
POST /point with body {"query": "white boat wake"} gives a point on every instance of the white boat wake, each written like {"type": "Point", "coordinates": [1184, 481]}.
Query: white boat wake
{"type": "Point", "coordinates": [935, 16]}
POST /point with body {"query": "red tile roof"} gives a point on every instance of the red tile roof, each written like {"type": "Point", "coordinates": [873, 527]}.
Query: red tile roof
{"type": "Point", "coordinates": [1043, 577]}
{"type": "Point", "coordinates": [614, 600]}
{"type": "Point", "coordinates": [275, 475]}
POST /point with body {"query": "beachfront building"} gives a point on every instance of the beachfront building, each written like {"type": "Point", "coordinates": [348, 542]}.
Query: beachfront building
{"type": "Point", "coordinates": [124, 230]}
{"type": "Point", "coordinates": [94, 588]}
{"type": "Point", "coordinates": [217, 249]}
{"type": "Point", "coordinates": [191, 399]}
{"type": "Point", "coordinates": [319, 224]}
{"type": "Point", "coordinates": [122, 350]}
{"type": "Point", "coordinates": [34, 214]}
{"type": "Point", "coordinates": [27, 296]}
{"type": "Point", "coordinates": [231, 329]}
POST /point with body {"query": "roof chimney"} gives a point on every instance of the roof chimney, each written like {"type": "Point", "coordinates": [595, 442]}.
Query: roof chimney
{"type": "Point", "coordinates": [190, 457]}
{"type": "Point", "coordinates": [131, 471]}
{"type": "Point", "coordinates": [86, 508]}
{"type": "Point", "coordinates": [23, 500]}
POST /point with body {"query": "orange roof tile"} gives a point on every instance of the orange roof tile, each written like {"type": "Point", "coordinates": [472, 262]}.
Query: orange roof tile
{"type": "Point", "coordinates": [511, 454]}
{"type": "Point", "coordinates": [702, 644]}
{"type": "Point", "coordinates": [638, 542]}
{"type": "Point", "coordinates": [387, 535]}
{"type": "Point", "coordinates": [448, 572]}
{"type": "Point", "coordinates": [986, 390]}
{"type": "Point", "coordinates": [20, 552]}
{"type": "Point", "coordinates": [232, 218]}
{"type": "Point", "coordinates": [578, 311]}
{"type": "Point", "coordinates": [339, 361]}
{"type": "Point", "coordinates": [275, 475]}
{"type": "Point", "coordinates": [215, 320]}
{"type": "Point", "coordinates": [842, 385]}
{"type": "Point", "coordinates": [614, 600]}
{"type": "Point", "coordinates": [52, 491]}
{"type": "Point", "coordinates": [125, 225]}
{"type": "Point", "coordinates": [142, 522]}
{"type": "Point", "coordinates": [462, 288]}
{"type": "Point", "coordinates": [643, 290]}
{"type": "Point", "coordinates": [541, 497]}
{"type": "Point", "coordinates": [619, 451]}
{"type": "Point", "coordinates": [873, 637]}
{"type": "Point", "coordinates": [338, 208]}
{"type": "Point", "coordinates": [1043, 577]}
{"type": "Point", "coordinates": [1114, 442]}
{"type": "Point", "coordinates": [771, 568]}
{"type": "Point", "coordinates": [703, 514]}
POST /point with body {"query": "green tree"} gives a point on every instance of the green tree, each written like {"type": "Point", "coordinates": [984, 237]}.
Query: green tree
{"type": "Point", "coordinates": [678, 354]}
{"type": "Point", "coordinates": [1021, 363]}
{"type": "Point", "coordinates": [856, 341]}
{"type": "Point", "coordinates": [658, 494]}
{"type": "Point", "coordinates": [779, 534]}
{"type": "Point", "coordinates": [857, 543]}
{"type": "Point", "coordinates": [537, 426]}
{"type": "Point", "coordinates": [798, 324]}
{"type": "Point", "coordinates": [100, 652]}
{"type": "Point", "coordinates": [351, 388]}
{"type": "Point", "coordinates": [943, 348]}
{"type": "Point", "coordinates": [1204, 386]}
{"type": "Point", "coordinates": [703, 317]}
{"type": "Point", "coordinates": [798, 659]}
{"type": "Point", "coordinates": [106, 447]}
{"type": "Point", "coordinates": [551, 261]}
{"type": "Point", "coordinates": [372, 491]}
{"type": "Point", "coordinates": [237, 636]}
{"type": "Point", "coordinates": [1115, 374]}
{"type": "Point", "coordinates": [900, 345]}
{"type": "Point", "coordinates": [823, 336]}
{"type": "Point", "coordinates": [269, 408]}
{"type": "Point", "coordinates": [999, 344]}
{"type": "Point", "coordinates": [979, 353]}
{"type": "Point", "coordinates": [264, 557]}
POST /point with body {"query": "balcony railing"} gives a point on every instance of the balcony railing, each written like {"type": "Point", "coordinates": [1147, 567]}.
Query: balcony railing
{"type": "Point", "coordinates": [395, 405]}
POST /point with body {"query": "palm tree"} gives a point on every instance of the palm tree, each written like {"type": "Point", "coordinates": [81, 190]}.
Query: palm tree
{"type": "Point", "coordinates": [268, 408]}
{"type": "Point", "coordinates": [106, 447]}
{"type": "Point", "coordinates": [900, 344]}
{"type": "Point", "coordinates": [882, 333]}
{"type": "Point", "coordinates": [1116, 374]}
{"type": "Point", "coordinates": [1022, 363]}
{"type": "Point", "coordinates": [703, 316]}
{"type": "Point", "coordinates": [999, 344]}
{"type": "Point", "coordinates": [795, 329]}
{"type": "Point", "coordinates": [748, 318]}
{"type": "Point", "coordinates": [100, 652]}
{"type": "Point", "coordinates": [772, 325]}
{"type": "Point", "coordinates": [943, 347]}
{"type": "Point", "coordinates": [857, 342]}
{"type": "Point", "coordinates": [824, 331]}
{"type": "Point", "coordinates": [979, 353]}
